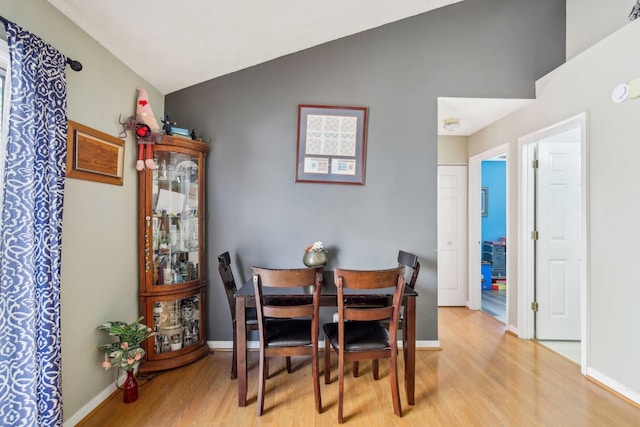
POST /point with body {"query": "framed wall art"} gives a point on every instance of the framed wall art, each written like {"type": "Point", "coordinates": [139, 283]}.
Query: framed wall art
{"type": "Point", "coordinates": [331, 144]}
{"type": "Point", "coordinates": [94, 155]}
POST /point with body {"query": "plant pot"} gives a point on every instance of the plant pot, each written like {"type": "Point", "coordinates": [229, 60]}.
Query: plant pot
{"type": "Point", "coordinates": [315, 258]}
{"type": "Point", "coordinates": [130, 388]}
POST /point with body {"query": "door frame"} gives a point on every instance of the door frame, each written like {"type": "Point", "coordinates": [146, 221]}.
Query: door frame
{"type": "Point", "coordinates": [475, 225]}
{"type": "Point", "coordinates": [526, 224]}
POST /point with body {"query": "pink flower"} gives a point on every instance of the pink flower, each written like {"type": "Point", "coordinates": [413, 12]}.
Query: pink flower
{"type": "Point", "coordinates": [124, 345]}
{"type": "Point", "coordinates": [130, 361]}
{"type": "Point", "coordinates": [138, 356]}
{"type": "Point", "coordinates": [106, 365]}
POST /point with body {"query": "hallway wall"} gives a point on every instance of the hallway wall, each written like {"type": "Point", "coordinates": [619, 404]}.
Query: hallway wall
{"type": "Point", "coordinates": [584, 85]}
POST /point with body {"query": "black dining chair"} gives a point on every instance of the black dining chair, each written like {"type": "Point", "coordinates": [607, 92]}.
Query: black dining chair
{"type": "Point", "coordinates": [406, 260]}
{"type": "Point", "coordinates": [251, 321]}
{"type": "Point", "coordinates": [360, 332]}
{"type": "Point", "coordinates": [409, 261]}
{"type": "Point", "coordinates": [287, 328]}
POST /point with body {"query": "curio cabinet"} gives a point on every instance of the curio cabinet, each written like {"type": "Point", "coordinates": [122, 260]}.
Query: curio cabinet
{"type": "Point", "coordinates": [172, 254]}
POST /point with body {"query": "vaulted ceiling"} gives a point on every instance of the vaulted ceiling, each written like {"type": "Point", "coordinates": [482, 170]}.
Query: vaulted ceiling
{"type": "Point", "coordinates": [174, 45]}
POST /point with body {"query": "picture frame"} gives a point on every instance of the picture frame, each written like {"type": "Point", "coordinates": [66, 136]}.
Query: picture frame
{"type": "Point", "coordinates": [484, 201]}
{"type": "Point", "coordinates": [331, 144]}
{"type": "Point", "coordinates": [93, 155]}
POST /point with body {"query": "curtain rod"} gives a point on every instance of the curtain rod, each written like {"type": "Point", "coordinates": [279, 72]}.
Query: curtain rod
{"type": "Point", "coordinates": [75, 65]}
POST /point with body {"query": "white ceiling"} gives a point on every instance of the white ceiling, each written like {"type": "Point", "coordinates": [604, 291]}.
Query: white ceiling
{"type": "Point", "coordinates": [174, 45]}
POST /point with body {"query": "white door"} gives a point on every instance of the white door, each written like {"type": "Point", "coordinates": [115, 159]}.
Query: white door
{"type": "Point", "coordinates": [452, 236]}
{"type": "Point", "coordinates": [558, 248]}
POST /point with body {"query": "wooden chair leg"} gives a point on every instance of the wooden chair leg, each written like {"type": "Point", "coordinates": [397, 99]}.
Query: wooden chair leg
{"type": "Point", "coordinates": [340, 388]}
{"type": "Point", "coordinates": [395, 389]}
{"type": "Point", "coordinates": [234, 357]}
{"type": "Point", "coordinates": [315, 371]}
{"type": "Point", "coordinates": [288, 364]}
{"type": "Point", "coordinates": [404, 348]}
{"type": "Point", "coordinates": [327, 361]}
{"type": "Point", "coordinates": [356, 368]}
{"type": "Point", "coordinates": [261, 384]}
{"type": "Point", "coordinates": [374, 369]}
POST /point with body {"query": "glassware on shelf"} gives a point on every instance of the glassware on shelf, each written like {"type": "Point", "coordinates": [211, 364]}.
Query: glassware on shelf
{"type": "Point", "coordinates": [176, 322]}
{"type": "Point", "coordinates": [171, 219]}
{"type": "Point", "coordinates": [163, 234]}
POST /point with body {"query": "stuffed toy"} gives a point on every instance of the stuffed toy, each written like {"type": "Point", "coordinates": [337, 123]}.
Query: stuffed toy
{"type": "Point", "coordinates": [146, 132]}
{"type": "Point", "coordinates": [145, 127]}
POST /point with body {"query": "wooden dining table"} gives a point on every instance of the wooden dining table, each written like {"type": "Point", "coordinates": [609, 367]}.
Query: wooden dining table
{"type": "Point", "coordinates": [245, 298]}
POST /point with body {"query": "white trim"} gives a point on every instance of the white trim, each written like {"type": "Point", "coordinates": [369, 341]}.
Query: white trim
{"type": "Point", "coordinates": [526, 180]}
{"type": "Point", "coordinates": [526, 225]}
{"type": "Point", "coordinates": [475, 225]}
{"type": "Point", "coordinates": [4, 54]}
{"type": "Point", "coordinates": [614, 385]}
{"type": "Point", "coordinates": [424, 344]}
{"type": "Point", "coordinates": [220, 345]}
{"type": "Point", "coordinates": [213, 345]}
{"type": "Point", "coordinates": [254, 345]}
{"type": "Point", "coordinates": [93, 403]}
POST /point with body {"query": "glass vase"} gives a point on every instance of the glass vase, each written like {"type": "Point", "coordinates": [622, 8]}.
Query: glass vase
{"type": "Point", "coordinates": [130, 388]}
{"type": "Point", "coordinates": [315, 258]}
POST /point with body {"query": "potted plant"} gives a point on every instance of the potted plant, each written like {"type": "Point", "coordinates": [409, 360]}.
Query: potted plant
{"type": "Point", "coordinates": [126, 351]}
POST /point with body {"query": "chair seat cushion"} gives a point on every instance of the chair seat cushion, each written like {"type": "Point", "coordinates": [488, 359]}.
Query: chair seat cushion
{"type": "Point", "coordinates": [359, 336]}
{"type": "Point", "coordinates": [288, 332]}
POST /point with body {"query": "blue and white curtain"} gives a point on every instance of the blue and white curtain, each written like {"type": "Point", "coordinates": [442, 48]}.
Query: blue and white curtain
{"type": "Point", "coordinates": [30, 236]}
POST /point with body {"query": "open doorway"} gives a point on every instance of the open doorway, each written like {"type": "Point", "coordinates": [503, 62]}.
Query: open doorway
{"type": "Point", "coordinates": [476, 241]}
{"type": "Point", "coordinates": [493, 212]}
{"type": "Point", "coordinates": [552, 261]}
{"type": "Point", "coordinates": [458, 118]}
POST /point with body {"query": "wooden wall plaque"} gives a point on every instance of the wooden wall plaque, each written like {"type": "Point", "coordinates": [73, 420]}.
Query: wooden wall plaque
{"type": "Point", "coordinates": [93, 155]}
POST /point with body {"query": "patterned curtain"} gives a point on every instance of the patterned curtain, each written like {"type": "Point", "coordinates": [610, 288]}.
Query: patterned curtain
{"type": "Point", "coordinates": [30, 237]}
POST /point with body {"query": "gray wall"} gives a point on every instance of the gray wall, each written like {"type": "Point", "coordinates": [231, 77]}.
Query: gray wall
{"type": "Point", "coordinates": [476, 48]}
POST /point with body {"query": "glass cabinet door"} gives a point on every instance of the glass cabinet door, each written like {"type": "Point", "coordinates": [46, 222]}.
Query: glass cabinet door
{"type": "Point", "coordinates": [171, 253]}
{"type": "Point", "coordinates": [177, 323]}
{"type": "Point", "coordinates": [175, 218]}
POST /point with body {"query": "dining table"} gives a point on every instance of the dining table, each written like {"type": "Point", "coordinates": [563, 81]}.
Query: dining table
{"type": "Point", "coordinates": [245, 298]}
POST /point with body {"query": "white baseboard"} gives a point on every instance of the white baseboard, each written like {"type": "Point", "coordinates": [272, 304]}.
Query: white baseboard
{"type": "Point", "coordinates": [92, 404]}
{"type": "Point", "coordinates": [214, 345]}
{"type": "Point", "coordinates": [431, 345]}
{"type": "Point", "coordinates": [621, 389]}
{"type": "Point", "coordinates": [253, 345]}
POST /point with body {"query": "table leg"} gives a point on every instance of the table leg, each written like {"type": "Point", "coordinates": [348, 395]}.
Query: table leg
{"type": "Point", "coordinates": [409, 331]}
{"type": "Point", "coordinates": [241, 336]}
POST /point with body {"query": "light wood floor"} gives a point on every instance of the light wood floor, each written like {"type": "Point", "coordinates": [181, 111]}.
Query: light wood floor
{"type": "Point", "coordinates": [482, 377]}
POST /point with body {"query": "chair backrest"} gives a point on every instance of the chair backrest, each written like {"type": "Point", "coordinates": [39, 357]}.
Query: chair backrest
{"type": "Point", "coordinates": [406, 259]}
{"type": "Point", "coordinates": [272, 307]}
{"type": "Point", "coordinates": [370, 279]}
{"type": "Point", "coordinates": [224, 267]}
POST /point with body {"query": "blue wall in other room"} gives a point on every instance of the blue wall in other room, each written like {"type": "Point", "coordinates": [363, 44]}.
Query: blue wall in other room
{"type": "Point", "coordinates": [494, 225]}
